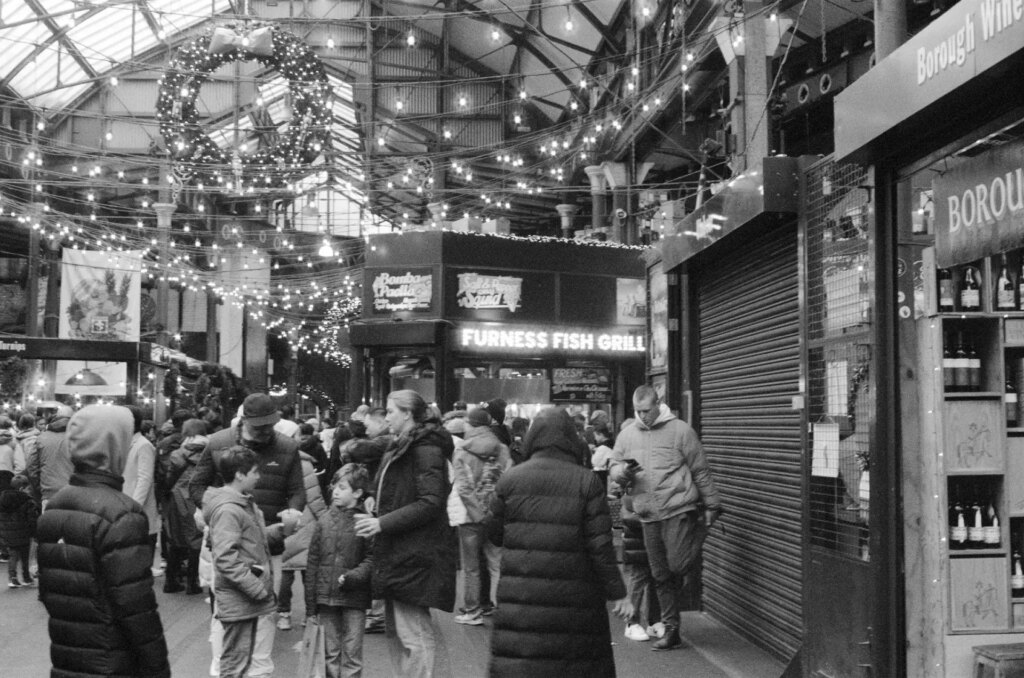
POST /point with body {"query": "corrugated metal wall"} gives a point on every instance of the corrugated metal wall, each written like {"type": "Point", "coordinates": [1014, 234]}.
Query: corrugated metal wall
{"type": "Point", "coordinates": [749, 368]}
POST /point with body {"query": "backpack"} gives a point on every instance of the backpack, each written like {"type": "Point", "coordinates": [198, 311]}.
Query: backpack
{"type": "Point", "coordinates": [490, 472]}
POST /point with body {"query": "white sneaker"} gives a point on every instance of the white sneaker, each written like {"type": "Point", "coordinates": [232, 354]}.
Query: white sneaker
{"type": "Point", "coordinates": [284, 622]}
{"type": "Point", "coordinates": [656, 630]}
{"type": "Point", "coordinates": [636, 632]}
{"type": "Point", "coordinates": [470, 618]}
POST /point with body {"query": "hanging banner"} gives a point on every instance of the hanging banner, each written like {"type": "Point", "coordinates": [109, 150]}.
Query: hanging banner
{"type": "Point", "coordinates": [99, 300]}
{"type": "Point", "coordinates": [979, 206]}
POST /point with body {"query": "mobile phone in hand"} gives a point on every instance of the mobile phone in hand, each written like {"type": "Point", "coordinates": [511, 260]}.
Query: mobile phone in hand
{"type": "Point", "coordinates": [633, 465]}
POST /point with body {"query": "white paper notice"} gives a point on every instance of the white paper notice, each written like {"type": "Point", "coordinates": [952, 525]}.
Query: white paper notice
{"type": "Point", "coordinates": [825, 459]}
{"type": "Point", "coordinates": [836, 385]}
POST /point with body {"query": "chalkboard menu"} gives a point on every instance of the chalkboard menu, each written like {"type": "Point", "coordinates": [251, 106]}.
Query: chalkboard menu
{"type": "Point", "coordinates": [581, 384]}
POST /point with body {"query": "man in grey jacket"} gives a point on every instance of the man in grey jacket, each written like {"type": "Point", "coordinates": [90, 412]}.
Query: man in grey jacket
{"type": "Point", "coordinates": [661, 464]}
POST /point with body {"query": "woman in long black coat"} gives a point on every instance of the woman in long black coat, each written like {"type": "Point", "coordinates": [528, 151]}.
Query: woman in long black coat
{"type": "Point", "coordinates": [415, 549]}
{"type": "Point", "coordinates": [558, 566]}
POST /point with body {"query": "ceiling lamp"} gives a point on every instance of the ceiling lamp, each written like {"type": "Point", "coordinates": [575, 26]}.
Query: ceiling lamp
{"type": "Point", "coordinates": [325, 251]}
{"type": "Point", "coordinates": [86, 377]}
{"type": "Point", "coordinates": [730, 34]}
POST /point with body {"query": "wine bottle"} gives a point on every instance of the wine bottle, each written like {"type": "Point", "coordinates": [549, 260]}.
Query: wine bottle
{"type": "Point", "coordinates": [945, 291]}
{"type": "Point", "coordinates": [948, 365]}
{"type": "Point", "coordinates": [993, 534]}
{"type": "Point", "coordinates": [973, 369]}
{"type": "Point", "coordinates": [976, 530]}
{"type": "Point", "coordinates": [1005, 300]}
{"type": "Point", "coordinates": [1017, 577]}
{"type": "Point", "coordinates": [958, 530]}
{"type": "Point", "coordinates": [961, 379]}
{"type": "Point", "coordinates": [1010, 401]}
{"type": "Point", "coordinates": [970, 290]}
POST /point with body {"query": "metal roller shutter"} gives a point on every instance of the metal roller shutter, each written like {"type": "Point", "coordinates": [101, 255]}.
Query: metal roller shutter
{"type": "Point", "coordinates": [749, 372]}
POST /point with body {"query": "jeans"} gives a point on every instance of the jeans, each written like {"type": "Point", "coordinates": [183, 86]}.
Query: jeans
{"type": "Point", "coordinates": [262, 662]}
{"type": "Point", "coordinates": [673, 549]}
{"type": "Point", "coordinates": [343, 640]}
{"type": "Point", "coordinates": [19, 554]}
{"type": "Point", "coordinates": [236, 653]}
{"type": "Point", "coordinates": [415, 642]}
{"type": "Point", "coordinates": [646, 609]}
{"type": "Point", "coordinates": [284, 592]}
{"type": "Point", "coordinates": [473, 539]}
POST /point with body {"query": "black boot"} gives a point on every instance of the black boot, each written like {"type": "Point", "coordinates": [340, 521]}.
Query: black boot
{"type": "Point", "coordinates": [669, 641]}
{"type": "Point", "coordinates": [192, 586]}
{"type": "Point", "coordinates": [172, 577]}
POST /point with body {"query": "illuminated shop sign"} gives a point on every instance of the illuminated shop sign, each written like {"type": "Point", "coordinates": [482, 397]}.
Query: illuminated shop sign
{"type": "Point", "coordinates": [574, 384]}
{"type": "Point", "coordinates": [405, 291]}
{"type": "Point", "coordinates": [526, 338]}
{"type": "Point", "coordinates": [478, 291]}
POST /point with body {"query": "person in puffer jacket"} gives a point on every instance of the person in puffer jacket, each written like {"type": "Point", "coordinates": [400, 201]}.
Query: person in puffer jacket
{"type": "Point", "coordinates": [184, 538]}
{"type": "Point", "coordinates": [338, 575]}
{"type": "Point", "coordinates": [240, 541]}
{"type": "Point", "coordinates": [296, 546]}
{"type": "Point", "coordinates": [95, 559]}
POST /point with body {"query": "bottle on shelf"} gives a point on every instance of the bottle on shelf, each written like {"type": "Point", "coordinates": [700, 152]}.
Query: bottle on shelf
{"type": "Point", "coordinates": [973, 369]}
{"type": "Point", "coordinates": [993, 533]}
{"type": "Point", "coordinates": [948, 365]}
{"type": "Point", "coordinates": [958, 528]}
{"type": "Point", "coordinates": [946, 291]}
{"type": "Point", "coordinates": [1017, 577]}
{"type": "Point", "coordinates": [970, 290]}
{"type": "Point", "coordinates": [1005, 300]}
{"type": "Point", "coordinates": [976, 530]}
{"type": "Point", "coordinates": [961, 365]}
{"type": "Point", "coordinates": [1010, 400]}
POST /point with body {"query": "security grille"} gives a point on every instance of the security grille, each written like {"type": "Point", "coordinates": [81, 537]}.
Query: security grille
{"type": "Point", "coordinates": [749, 326]}
{"type": "Point", "coordinates": [840, 385]}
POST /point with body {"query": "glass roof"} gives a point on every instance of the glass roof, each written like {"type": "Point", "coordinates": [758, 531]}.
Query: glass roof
{"type": "Point", "coordinates": [57, 49]}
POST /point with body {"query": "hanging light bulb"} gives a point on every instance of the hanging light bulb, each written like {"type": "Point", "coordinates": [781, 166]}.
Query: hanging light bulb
{"type": "Point", "coordinates": [463, 101]}
{"type": "Point", "coordinates": [330, 43]}
{"type": "Point", "coordinates": [399, 105]}
{"type": "Point", "coordinates": [568, 20]}
{"type": "Point", "coordinates": [495, 34]}
{"type": "Point", "coordinates": [410, 39]}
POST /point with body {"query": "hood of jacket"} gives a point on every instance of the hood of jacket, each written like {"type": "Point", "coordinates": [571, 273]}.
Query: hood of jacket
{"type": "Point", "coordinates": [553, 432]}
{"type": "Point", "coordinates": [27, 434]}
{"type": "Point", "coordinates": [664, 415]}
{"type": "Point", "coordinates": [99, 437]}
{"type": "Point", "coordinates": [215, 497]}
{"type": "Point", "coordinates": [193, 443]}
{"type": "Point", "coordinates": [6, 436]}
{"type": "Point", "coordinates": [481, 442]}
{"type": "Point", "coordinates": [58, 424]}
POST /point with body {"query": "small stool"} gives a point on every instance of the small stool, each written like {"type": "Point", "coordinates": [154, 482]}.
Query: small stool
{"type": "Point", "coordinates": [1006, 661]}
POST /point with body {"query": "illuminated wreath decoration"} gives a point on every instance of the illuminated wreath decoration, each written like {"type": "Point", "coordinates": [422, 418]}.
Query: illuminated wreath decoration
{"type": "Point", "coordinates": [197, 159]}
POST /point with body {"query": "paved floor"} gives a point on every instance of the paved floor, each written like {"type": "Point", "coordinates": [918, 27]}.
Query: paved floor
{"type": "Point", "coordinates": [711, 650]}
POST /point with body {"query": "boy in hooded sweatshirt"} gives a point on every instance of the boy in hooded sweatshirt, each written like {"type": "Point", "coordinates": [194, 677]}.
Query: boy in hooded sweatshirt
{"type": "Point", "coordinates": [95, 559]}
{"type": "Point", "coordinates": [240, 542]}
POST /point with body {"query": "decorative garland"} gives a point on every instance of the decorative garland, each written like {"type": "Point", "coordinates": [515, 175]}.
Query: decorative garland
{"type": "Point", "coordinates": [198, 160]}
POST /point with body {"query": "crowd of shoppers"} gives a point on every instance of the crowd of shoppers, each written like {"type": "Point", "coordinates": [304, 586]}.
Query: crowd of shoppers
{"type": "Point", "coordinates": [373, 516]}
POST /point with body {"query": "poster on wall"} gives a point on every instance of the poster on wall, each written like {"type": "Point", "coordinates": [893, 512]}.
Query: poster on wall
{"type": "Point", "coordinates": [631, 301]}
{"type": "Point", "coordinates": [581, 384]}
{"type": "Point", "coordinates": [99, 300]}
{"type": "Point", "coordinates": [401, 290]}
{"type": "Point", "coordinates": [659, 319]}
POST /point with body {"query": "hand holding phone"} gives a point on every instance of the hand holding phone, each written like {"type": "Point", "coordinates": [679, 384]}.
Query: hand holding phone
{"type": "Point", "coordinates": [632, 466]}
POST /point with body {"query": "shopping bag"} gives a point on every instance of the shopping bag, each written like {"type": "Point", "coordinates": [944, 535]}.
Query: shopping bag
{"type": "Point", "coordinates": [311, 659]}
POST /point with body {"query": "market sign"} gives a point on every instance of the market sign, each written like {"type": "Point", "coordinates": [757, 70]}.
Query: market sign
{"type": "Point", "coordinates": [478, 291]}
{"type": "Point", "coordinates": [500, 338]}
{"type": "Point", "coordinates": [970, 38]}
{"type": "Point", "coordinates": [581, 384]}
{"type": "Point", "coordinates": [979, 206]}
{"type": "Point", "coordinates": [406, 290]}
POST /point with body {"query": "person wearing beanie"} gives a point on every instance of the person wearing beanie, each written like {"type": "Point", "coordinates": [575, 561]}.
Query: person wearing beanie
{"type": "Point", "coordinates": [95, 558]}
{"type": "Point", "coordinates": [496, 408]}
{"type": "Point", "coordinates": [478, 463]}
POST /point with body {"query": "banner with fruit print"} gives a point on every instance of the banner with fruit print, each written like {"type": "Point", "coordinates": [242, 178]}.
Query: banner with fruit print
{"type": "Point", "coordinates": [99, 300]}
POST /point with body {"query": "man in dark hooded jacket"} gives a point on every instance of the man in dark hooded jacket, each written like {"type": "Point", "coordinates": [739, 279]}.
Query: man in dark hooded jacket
{"type": "Point", "coordinates": [95, 558]}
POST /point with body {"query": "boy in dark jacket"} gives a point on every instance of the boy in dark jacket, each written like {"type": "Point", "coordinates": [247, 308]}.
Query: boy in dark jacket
{"type": "Point", "coordinates": [338, 575]}
{"type": "Point", "coordinates": [18, 515]}
{"type": "Point", "coordinates": [240, 542]}
{"type": "Point", "coordinates": [95, 559]}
